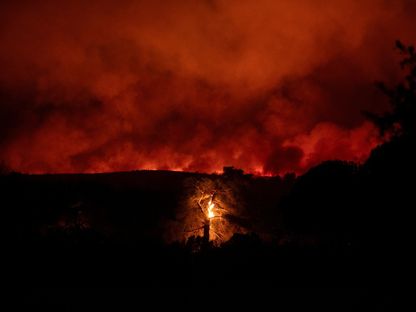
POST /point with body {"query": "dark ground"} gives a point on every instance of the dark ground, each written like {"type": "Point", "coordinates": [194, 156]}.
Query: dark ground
{"type": "Point", "coordinates": [342, 238]}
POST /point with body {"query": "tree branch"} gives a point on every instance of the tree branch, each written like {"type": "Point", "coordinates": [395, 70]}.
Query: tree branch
{"type": "Point", "coordinates": [193, 230]}
{"type": "Point", "coordinates": [200, 206]}
{"type": "Point", "coordinates": [218, 235]}
{"type": "Point", "coordinates": [219, 208]}
{"type": "Point", "coordinates": [215, 217]}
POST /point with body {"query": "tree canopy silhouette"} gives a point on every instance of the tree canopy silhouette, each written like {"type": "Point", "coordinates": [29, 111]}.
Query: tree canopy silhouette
{"type": "Point", "coordinates": [401, 120]}
{"type": "Point", "coordinates": [370, 203]}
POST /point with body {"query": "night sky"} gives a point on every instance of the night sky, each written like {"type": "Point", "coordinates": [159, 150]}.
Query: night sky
{"type": "Point", "coordinates": [266, 86]}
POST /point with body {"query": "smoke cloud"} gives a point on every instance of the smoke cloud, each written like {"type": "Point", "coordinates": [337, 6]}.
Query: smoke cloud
{"type": "Point", "coordinates": [266, 86]}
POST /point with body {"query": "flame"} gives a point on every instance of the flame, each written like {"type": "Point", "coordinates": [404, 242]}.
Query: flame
{"type": "Point", "coordinates": [211, 209]}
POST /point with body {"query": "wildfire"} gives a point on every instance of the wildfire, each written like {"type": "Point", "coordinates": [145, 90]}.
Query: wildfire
{"type": "Point", "coordinates": [211, 209]}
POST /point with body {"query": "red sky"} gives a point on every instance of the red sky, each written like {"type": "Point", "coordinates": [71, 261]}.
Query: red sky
{"type": "Point", "coordinates": [266, 86]}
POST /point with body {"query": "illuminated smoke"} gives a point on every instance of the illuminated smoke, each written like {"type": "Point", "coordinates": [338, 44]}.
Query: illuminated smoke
{"type": "Point", "coordinates": [267, 86]}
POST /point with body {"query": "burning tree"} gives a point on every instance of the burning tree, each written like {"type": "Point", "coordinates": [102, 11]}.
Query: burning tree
{"type": "Point", "coordinates": [210, 210]}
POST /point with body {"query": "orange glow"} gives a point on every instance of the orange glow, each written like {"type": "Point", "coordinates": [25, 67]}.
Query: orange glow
{"type": "Point", "coordinates": [266, 86]}
{"type": "Point", "coordinates": [211, 206]}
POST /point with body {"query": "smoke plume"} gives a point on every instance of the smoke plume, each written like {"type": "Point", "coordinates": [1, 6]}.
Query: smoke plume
{"type": "Point", "coordinates": [266, 86]}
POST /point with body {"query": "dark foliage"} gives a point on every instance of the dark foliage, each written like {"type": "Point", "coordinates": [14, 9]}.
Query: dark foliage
{"type": "Point", "coordinates": [370, 207]}
{"type": "Point", "coordinates": [401, 119]}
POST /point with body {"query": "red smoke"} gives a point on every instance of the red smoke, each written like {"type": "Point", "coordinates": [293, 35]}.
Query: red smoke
{"type": "Point", "coordinates": [266, 86]}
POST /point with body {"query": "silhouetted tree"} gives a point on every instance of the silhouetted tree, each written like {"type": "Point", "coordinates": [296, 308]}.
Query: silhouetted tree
{"type": "Point", "coordinates": [402, 118]}
{"type": "Point", "coordinates": [370, 203]}
{"type": "Point", "coordinates": [386, 190]}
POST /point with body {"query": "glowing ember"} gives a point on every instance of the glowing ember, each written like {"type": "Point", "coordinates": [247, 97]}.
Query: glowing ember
{"type": "Point", "coordinates": [211, 209]}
